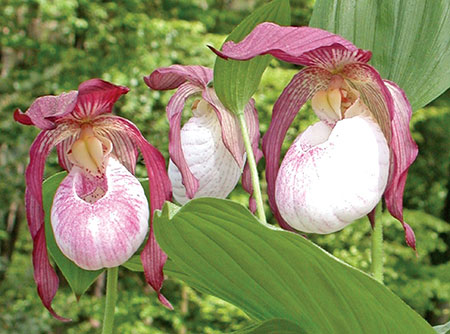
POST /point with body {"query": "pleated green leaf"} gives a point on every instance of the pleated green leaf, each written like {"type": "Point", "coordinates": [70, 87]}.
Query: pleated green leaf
{"type": "Point", "coordinates": [79, 279]}
{"type": "Point", "coordinates": [410, 40]}
{"type": "Point", "coordinates": [236, 81]}
{"type": "Point", "coordinates": [273, 326]}
{"type": "Point", "coordinates": [219, 247]}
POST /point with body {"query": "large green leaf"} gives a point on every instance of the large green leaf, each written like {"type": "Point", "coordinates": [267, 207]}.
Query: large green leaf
{"type": "Point", "coordinates": [79, 279]}
{"type": "Point", "coordinates": [410, 40]}
{"type": "Point", "coordinates": [236, 81]}
{"type": "Point", "coordinates": [273, 326]}
{"type": "Point", "coordinates": [219, 247]}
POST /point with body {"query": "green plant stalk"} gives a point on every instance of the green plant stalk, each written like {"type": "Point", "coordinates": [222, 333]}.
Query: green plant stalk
{"type": "Point", "coordinates": [377, 250]}
{"type": "Point", "coordinates": [111, 298]}
{"type": "Point", "coordinates": [253, 170]}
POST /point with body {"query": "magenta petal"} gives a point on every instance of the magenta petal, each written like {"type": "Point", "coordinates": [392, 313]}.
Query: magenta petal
{"type": "Point", "coordinates": [404, 151]}
{"type": "Point", "coordinates": [152, 257]}
{"type": "Point", "coordinates": [97, 97]}
{"type": "Point", "coordinates": [22, 118]}
{"type": "Point", "coordinates": [46, 109]}
{"type": "Point", "coordinates": [301, 88]}
{"type": "Point", "coordinates": [334, 56]}
{"type": "Point", "coordinates": [124, 148]}
{"type": "Point", "coordinates": [105, 230]}
{"type": "Point", "coordinates": [44, 275]}
{"type": "Point", "coordinates": [251, 118]}
{"type": "Point", "coordinates": [174, 110]}
{"type": "Point", "coordinates": [231, 133]}
{"type": "Point", "coordinates": [285, 43]}
{"type": "Point", "coordinates": [166, 78]}
{"type": "Point", "coordinates": [367, 81]}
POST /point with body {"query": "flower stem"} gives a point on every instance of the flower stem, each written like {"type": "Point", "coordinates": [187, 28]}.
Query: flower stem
{"type": "Point", "coordinates": [253, 170]}
{"type": "Point", "coordinates": [377, 250]}
{"type": "Point", "coordinates": [111, 298]}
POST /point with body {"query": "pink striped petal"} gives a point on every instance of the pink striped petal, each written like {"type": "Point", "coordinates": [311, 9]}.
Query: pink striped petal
{"type": "Point", "coordinates": [332, 176]}
{"type": "Point", "coordinates": [96, 97]}
{"type": "Point", "coordinates": [44, 275]}
{"type": "Point", "coordinates": [334, 56]}
{"type": "Point", "coordinates": [62, 149]}
{"type": "Point", "coordinates": [207, 157]}
{"type": "Point", "coordinates": [166, 78]}
{"type": "Point", "coordinates": [367, 81]}
{"type": "Point", "coordinates": [174, 110]}
{"type": "Point", "coordinates": [46, 109]}
{"type": "Point", "coordinates": [404, 151]}
{"type": "Point", "coordinates": [231, 133]}
{"type": "Point", "coordinates": [152, 257]}
{"type": "Point", "coordinates": [302, 87]}
{"type": "Point", "coordinates": [285, 43]}
{"type": "Point", "coordinates": [124, 149]}
{"type": "Point", "coordinates": [251, 118]}
{"type": "Point", "coordinates": [104, 232]}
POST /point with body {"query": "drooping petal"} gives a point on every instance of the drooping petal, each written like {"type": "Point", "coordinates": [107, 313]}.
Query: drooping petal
{"type": "Point", "coordinates": [152, 257]}
{"type": "Point", "coordinates": [367, 81]}
{"type": "Point", "coordinates": [207, 157]}
{"type": "Point", "coordinates": [284, 43]}
{"type": "Point", "coordinates": [302, 87]}
{"type": "Point", "coordinates": [44, 275]}
{"type": "Point", "coordinates": [331, 177]}
{"type": "Point", "coordinates": [251, 119]}
{"type": "Point", "coordinates": [46, 109]}
{"type": "Point", "coordinates": [166, 78]}
{"type": "Point", "coordinates": [174, 110]}
{"type": "Point", "coordinates": [231, 133]}
{"type": "Point", "coordinates": [96, 97]}
{"type": "Point", "coordinates": [104, 232]}
{"type": "Point", "coordinates": [404, 151]}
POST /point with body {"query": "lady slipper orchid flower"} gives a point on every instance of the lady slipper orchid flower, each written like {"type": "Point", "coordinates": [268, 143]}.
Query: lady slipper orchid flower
{"type": "Point", "coordinates": [207, 155]}
{"type": "Point", "coordinates": [100, 214]}
{"type": "Point", "coordinates": [337, 170]}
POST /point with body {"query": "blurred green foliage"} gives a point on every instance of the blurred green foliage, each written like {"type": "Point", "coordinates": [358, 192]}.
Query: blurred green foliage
{"type": "Point", "coordinates": [49, 46]}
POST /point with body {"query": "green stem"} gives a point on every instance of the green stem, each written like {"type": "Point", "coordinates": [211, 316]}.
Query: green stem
{"type": "Point", "coordinates": [111, 298]}
{"type": "Point", "coordinates": [377, 250]}
{"type": "Point", "coordinates": [253, 170]}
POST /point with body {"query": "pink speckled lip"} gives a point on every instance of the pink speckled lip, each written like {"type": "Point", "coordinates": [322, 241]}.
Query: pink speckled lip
{"type": "Point", "coordinates": [107, 231]}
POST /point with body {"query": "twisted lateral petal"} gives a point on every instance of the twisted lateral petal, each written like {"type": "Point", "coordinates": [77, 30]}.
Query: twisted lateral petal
{"type": "Point", "coordinates": [206, 156]}
{"type": "Point", "coordinates": [166, 78]}
{"type": "Point", "coordinates": [325, 183]}
{"type": "Point", "coordinates": [46, 279]}
{"type": "Point", "coordinates": [284, 43]}
{"type": "Point", "coordinates": [231, 133]}
{"type": "Point", "coordinates": [46, 109]}
{"type": "Point", "coordinates": [404, 153]}
{"type": "Point", "coordinates": [104, 232]}
{"type": "Point", "coordinates": [97, 97]}
{"type": "Point", "coordinates": [301, 88]}
{"type": "Point", "coordinates": [174, 110]}
{"type": "Point", "coordinates": [152, 257]}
